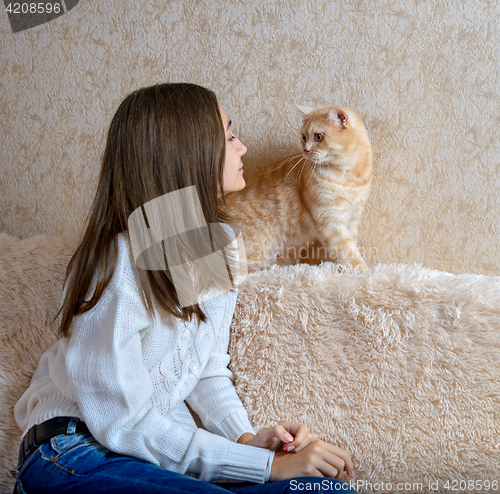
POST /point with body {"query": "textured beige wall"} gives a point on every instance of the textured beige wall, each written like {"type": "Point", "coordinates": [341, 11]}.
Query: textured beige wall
{"type": "Point", "coordinates": [422, 74]}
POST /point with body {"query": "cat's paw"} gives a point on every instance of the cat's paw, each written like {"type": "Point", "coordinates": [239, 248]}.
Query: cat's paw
{"type": "Point", "coordinates": [358, 264]}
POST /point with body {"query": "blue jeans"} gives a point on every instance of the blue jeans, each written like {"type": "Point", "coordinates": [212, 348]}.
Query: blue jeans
{"type": "Point", "coordinates": [77, 463]}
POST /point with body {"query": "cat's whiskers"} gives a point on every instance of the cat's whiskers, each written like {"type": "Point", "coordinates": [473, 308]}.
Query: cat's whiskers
{"type": "Point", "coordinates": [284, 161]}
{"type": "Point", "coordinates": [302, 169]}
{"type": "Point", "coordinates": [291, 170]}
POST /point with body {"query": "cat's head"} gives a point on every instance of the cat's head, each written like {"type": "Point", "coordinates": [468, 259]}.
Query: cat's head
{"type": "Point", "coordinates": [334, 135]}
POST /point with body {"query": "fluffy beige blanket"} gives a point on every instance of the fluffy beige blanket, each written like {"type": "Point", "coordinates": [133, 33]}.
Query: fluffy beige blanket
{"type": "Point", "coordinates": [398, 365]}
{"type": "Point", "coordinates": [31, 276]}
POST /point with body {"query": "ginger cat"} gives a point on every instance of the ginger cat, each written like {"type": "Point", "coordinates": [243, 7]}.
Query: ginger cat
{"type": "Point", "coordinates": [317, 195]}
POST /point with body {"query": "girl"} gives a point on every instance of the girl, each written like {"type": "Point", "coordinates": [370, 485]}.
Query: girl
{"type": "Point", "coordinates": [106, 409]}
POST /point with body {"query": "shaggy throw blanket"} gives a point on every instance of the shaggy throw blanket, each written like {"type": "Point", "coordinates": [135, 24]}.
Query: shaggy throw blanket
{"type": "Point", "coordinates": [31, 276]}
{"type": "Point", "coordinates": [398, 365]}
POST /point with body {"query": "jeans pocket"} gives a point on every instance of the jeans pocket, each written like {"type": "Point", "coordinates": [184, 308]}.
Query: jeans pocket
{"type": "Point", "coordinates": [75, 453]}
{"type": "Point", "coordinates": [66, 442]}
{"type": "Point", "coordinates": [58, 466]}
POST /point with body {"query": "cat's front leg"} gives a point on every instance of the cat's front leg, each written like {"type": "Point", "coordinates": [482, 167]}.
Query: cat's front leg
{"type": "Point", "coordinates": [355, 219]}
{"type": "Point", "coordinates": [342, 248]}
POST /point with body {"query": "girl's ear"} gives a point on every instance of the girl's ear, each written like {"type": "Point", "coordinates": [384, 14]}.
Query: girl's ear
{"type": "Point", "coordinates": [338, 116]}
{"type": "Point", "coordinates": [305, 110]}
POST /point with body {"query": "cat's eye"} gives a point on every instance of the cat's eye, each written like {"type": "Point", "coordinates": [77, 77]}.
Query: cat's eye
{"type": "Point", "coordinates": [319, 137]}
{"type": "Point", "coordinates": [304, 138]}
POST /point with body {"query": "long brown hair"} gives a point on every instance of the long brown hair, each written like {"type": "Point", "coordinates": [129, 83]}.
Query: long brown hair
{"type": "Point", "coordinates": [162, 138]}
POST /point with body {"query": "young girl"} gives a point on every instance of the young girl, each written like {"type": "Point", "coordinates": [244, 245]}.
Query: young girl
{"type": "Point", "coordinates": [106, 409]}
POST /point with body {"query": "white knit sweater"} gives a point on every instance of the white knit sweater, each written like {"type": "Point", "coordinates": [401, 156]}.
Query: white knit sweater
{"type": "Point", "coordinates": [128, 378]}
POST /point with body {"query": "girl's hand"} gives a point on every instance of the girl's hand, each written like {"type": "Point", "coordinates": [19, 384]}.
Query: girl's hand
{"type": "Point", "coordinates": [318, 459]}
{"type": "Point", "coordinates": [286, 435]}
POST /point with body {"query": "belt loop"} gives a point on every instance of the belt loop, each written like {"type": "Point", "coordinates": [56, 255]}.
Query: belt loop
{"type": "Point", "coordinates": [73, 422]}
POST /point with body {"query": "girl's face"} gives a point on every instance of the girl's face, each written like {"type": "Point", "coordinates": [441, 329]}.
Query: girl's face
{"type": "Point", "coordinates": [233, 167]}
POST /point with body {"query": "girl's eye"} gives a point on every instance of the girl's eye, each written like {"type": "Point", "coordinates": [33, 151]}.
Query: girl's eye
{"type": "Point", "coordinates": [319, 137]}
{"type": "Point", "coordinates": [304, 138]}
{"type": "Point", "coordinates": [232, 138]}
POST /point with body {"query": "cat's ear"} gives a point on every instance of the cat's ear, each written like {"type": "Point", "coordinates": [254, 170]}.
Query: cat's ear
{"type": "Point", "coordinates": [338, 116]}
{"type": "Point", "coordinates": [305, 110]}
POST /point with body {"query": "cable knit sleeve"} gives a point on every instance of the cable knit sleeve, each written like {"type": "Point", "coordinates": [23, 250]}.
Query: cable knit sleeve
{"type": "Point", "coordinates": [113, 387]}
{"type": "Point", "coordinates": [214, 398]}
